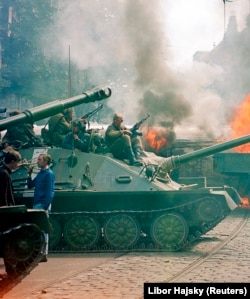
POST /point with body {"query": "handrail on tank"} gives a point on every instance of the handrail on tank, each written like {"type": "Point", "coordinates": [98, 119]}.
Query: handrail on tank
{"type": "Point", "coordinates": [174, 162]}
{"type": "Point", "coordinates": [46, 110]}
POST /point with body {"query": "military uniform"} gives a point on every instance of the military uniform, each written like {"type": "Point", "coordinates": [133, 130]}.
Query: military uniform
{"type": "Point", "coordinates": [22, 136]}
{"type": "Point", "coordinates": [116, 140]}
{"type": "Point", "coordinates": [122, 145]}
{"type": "Point", "coordinates": [82, 140]}
{"type": "Point", "coordinates": [59, 126]}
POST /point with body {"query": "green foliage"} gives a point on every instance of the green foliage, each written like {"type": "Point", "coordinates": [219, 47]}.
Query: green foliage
{"type": "Point", "coordinates": [26, 71]}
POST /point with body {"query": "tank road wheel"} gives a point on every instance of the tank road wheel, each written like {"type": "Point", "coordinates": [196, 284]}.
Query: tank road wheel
{"type": "Point", "coordinates": [56, 232]}
{"type": "Point", "coordinates": [23, 248]}
{"type": "Point", "coordinates": [81, 232]}
{"type": "Point", "coordinates": [208, 209]}
{"type": "Point", "coordinates": [121, 231]}
{"type": "Point", "coordinates": [169, 231]}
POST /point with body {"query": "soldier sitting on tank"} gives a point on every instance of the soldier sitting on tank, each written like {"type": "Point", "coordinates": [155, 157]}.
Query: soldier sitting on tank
{"type": "Point", "coordinates": [21, 136]}
{"type": "Point", "coordinates": [121, 142]}
{"type": "Point", "coordinates": [60, 125]}
{"type": "Point", "coordinates": [78, 138]}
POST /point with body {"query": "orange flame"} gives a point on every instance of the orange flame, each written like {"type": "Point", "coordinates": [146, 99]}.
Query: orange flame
{"type": "Point", "coordinates": [156, 139]}
{"type": "Point", "coordinates": [241, 124]}
{"type": "Point", "coordinates": [245, 201]}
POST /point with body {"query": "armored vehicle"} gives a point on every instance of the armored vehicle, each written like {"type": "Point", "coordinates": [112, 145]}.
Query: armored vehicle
{"type": "Point", "coordinates": [104, 204]}
{"type": "Point", "coordinates": [22, 242]}
{"type": "Point", "coordinates": [229, 167]}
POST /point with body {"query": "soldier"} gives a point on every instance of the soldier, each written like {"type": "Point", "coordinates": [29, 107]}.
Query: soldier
{"type": "Point", "coordinates": [22, 136]}
{"type": "Point", "coordinates": [78, 138]}
{"type": "Point", "coordinates": [121, 142]}
{"type": "Point", "coordinates": [60, 125]}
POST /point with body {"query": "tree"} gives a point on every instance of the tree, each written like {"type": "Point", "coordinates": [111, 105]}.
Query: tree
{"type": "Point", "coordinates": [26, 71]}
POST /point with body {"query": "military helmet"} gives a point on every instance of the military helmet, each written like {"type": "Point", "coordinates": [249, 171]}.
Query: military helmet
{"type": "Point", "coordinates": [68, 111]}
{"type": "Point", "coordinates": [78, 123]}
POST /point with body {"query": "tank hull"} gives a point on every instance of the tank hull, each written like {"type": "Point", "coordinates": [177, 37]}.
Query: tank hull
{"type": "Point", "coordinates": [103, 204]}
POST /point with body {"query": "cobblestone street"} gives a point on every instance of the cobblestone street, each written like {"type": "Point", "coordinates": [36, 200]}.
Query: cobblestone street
{"type": "Point", "coordinates": [123, 275]}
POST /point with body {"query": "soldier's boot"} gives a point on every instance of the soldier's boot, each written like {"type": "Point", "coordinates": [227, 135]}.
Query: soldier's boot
{"type": "Point", "coordinates": [130, 155]}
{"type": "Point", "coordinates": [139, 153]}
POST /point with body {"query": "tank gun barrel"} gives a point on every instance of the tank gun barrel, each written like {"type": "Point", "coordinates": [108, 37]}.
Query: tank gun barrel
{"type": "Point", "coordinates": [55, 107]}
{"type": "Point", "coordinates": [173, 162]}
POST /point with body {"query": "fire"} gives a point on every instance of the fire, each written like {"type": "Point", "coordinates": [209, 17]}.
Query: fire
{"type": "Point", "coordinates": [245, 201]}
{"type": "Point", "coordinates": [159, 138]}
{"type": "Point", "coordinates": [156, 139]}
{"type": "Point", "coordinates": [241, 125]}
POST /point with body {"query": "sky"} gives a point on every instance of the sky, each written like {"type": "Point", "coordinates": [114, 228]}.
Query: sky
{"type": "Point", "coordinates": [143, 49]}
{"type": "Point", "coordinates": [198, 25]}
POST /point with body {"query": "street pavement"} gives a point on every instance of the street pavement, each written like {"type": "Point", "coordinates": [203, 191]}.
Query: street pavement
{"type": "Point", "coordinates": [121, 276]}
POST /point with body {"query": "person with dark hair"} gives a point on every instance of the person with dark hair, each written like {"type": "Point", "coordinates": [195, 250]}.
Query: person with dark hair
{"type": "Point", "coordinates": [121, 142]}
{"type": "Point", "coordinates": [44, 184]}
{"type": "Point", "coordinates": [78, 138]}
{"type": "Point", "coordinates": [59, 126]}
{"type": "Point", "coordinates": [11, 161]}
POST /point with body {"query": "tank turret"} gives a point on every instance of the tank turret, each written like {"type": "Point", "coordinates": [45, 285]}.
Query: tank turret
{"type": "Point", "coordinates": [54, 107]}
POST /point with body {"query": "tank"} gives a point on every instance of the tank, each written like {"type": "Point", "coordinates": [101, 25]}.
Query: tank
{"type": "Point", "coordinates": [103, 204]}
{"type": "Point", "coordinates": [225, 168]}
{"type": "Point", "coordinates": [22, 242]}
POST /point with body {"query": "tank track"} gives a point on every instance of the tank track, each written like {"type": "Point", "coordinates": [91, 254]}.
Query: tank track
{"type": "Point", "coordinates": [169, 229]}
{"type": "Point", "coordinates": [22, 251]}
